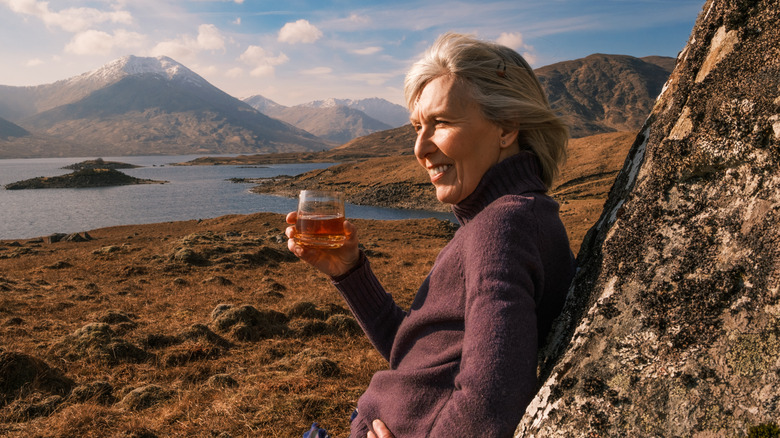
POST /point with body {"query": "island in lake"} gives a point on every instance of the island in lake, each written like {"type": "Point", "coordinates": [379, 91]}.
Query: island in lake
{"type": "Point", "coordinates": [91, 173]}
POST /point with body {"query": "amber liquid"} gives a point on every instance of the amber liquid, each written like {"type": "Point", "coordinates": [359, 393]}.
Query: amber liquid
{"type": "Point", "coordinates": [324, 231]}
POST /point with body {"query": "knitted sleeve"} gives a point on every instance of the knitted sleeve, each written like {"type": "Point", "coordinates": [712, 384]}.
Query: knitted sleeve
{"type": "Point", "coordinates": [497, 375]}
{"type": "Point", "coordinates": [374, 309]}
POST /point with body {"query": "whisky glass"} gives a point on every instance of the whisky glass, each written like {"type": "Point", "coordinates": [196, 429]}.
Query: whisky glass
{"type": "Point", "coordinates": [320, 220]}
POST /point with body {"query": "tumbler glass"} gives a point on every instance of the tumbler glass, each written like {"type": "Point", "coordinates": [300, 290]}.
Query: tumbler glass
{"type": "Point", "coordinates": [320, 219]}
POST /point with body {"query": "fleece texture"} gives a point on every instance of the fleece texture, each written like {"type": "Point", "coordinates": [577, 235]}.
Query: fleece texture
{"type": "Point", "coordinates": [462, 360]}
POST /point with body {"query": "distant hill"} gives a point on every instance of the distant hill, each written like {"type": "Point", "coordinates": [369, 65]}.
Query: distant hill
{"type": "Point", "coordinates": [605, 93]}
{"type": "Point", "coordinates": [149, 106]}
{"type": "Point", "coordinates": [597, 94]}
{"type": "Point", "coordinates": [11, 130]}
{"type": "Point", "coordinates": [137, 105]}
{"type": "Point", "coordinates": [338, 120]}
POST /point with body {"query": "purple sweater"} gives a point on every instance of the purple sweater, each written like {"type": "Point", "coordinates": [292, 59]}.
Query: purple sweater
{"type": "Point", "coordinates": [463, 358]}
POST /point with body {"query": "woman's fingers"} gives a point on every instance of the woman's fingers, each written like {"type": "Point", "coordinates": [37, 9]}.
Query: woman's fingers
{"type": "Point", "coordinates": [381, 430]}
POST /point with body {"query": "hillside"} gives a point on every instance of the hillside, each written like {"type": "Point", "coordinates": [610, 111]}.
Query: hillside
{"type": "Point", "coordinates": [605, 93]}
{"type": "Point", "coordinates": [338, 124]}
{"type": "Point", "coordinates": [338, 120]}
{"type": "Point", "coordinates": [10, 130]}
{"type": "Point", "coordinates": [148, 106]}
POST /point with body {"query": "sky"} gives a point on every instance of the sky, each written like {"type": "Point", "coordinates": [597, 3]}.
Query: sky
{"type": "Point", "coordinates": [297, 51]}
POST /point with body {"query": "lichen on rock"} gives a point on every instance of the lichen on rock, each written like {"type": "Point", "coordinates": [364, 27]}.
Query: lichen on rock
{"type": "Point", "coordinates": [671, 327]}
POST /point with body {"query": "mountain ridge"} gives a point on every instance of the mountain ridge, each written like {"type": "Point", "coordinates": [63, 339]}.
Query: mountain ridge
{"type": "Point", "coordinates": [137, 105]}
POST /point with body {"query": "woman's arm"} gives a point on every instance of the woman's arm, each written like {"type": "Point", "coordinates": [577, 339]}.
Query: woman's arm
{"type": "Point", "coordinates": [374, 309]}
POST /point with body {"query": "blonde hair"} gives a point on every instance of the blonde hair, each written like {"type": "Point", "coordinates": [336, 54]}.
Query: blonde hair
{"type": "Point", "coordinates": [504, 86]}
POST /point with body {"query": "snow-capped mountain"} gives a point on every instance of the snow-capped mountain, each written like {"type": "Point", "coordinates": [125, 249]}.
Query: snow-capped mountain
{"type": "Point", "coordinates": [136, 105]}
{"type": "Point", "coordinates": [162, 66]}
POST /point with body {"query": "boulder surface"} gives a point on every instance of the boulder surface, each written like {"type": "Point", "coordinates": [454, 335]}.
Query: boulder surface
{"type": "Point", "coordinates": [672, 327]}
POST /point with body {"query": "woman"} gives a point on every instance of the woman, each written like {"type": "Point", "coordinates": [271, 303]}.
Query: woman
{"type": "Point", "coordinates": [462, 360]}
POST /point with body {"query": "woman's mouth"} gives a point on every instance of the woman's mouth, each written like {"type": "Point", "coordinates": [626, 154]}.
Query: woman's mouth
{"type": "Point", "coordinates": [436, 172]}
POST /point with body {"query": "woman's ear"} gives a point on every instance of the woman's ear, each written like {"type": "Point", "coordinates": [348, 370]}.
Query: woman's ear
{"type": "Point", "coordinates": [508, 137]}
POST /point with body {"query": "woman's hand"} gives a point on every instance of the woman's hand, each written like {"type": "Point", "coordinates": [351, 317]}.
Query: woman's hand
{"type": "Point", "coordinates": [332, 261]}
{"type": "Point", "coordinates": [381, 430]}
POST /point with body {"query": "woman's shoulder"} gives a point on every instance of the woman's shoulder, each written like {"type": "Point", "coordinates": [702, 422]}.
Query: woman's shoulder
{"type": "Point", "coordinates": [522, 207]}
{"type": "Point", "coordinates": [511, 216]}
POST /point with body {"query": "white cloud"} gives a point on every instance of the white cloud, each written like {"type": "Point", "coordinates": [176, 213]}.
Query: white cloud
{"type": "Point", "coordinates": [262, 61]}
{"type": "Point", "coordinates": [235, 72]}
{"type": "Point", "coordinates": [367, 50]}
{"type": "Point", "coordinates": [318, 71]}
{"type": "Point", "coordinates": [71, 19]}
{"type": "Point", "coordinates": [299, 32]}
{"type": "Point", "coordinates": [240, 2]}
{"type": "Point", "coordinates": [210, 38]}
{"type": "Point", "coordinates": [185, 46]}
{"type": "Point", "coordinates": [34, 62]}
{"type": "Point", "coordinates": [237, 21]}
{"type": "Point", "coordinates": [262, 71]}
{"type": "Point", "coordinates": [514, 40]}
{"type": "Point", "coordinates": [95, 42]}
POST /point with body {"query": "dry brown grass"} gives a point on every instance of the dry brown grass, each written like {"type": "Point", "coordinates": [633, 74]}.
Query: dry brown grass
{"type": "Point", "coordinates": [128, 318]}
{"type": "Point", "coordinates": [204, 380]}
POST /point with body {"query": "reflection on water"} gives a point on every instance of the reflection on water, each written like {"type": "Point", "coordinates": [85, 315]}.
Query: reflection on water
{"type": "Point", "coordinates": [193, 192]}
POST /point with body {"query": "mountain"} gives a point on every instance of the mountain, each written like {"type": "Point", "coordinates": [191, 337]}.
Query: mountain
{"type": "Point", "coordinates": [11, 130]}
{"type": "Point", "coordinates": [379, 109]}
{"type": "Point", "coordinates": [597, 94]}
{"type": "Point", "coordinates": [150, 106]}
{"type": "Point", "coordinates": [339, 120]}
{"type": "Point", "coordinates": [605, 93]}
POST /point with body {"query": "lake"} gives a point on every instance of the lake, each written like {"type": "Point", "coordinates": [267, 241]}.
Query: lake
{"type": "Point", "coordinates": [192, 192]}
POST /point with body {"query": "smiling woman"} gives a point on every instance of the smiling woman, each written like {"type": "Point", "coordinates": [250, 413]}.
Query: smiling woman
{"type": "Point", "coordinates": [462, 359]}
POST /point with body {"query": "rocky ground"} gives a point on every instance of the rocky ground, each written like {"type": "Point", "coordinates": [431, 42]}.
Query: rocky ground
{"type": "Point", "coordinates": [211, 328]}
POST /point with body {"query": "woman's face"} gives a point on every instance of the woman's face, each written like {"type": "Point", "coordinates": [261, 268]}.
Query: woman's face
{"type": "Point", "coordinates": [455, 143]}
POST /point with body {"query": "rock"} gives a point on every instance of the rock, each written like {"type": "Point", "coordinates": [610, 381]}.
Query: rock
{"type": "Point", "coordinates": [203, 333]}
{"type": "Point", "coordinates": [343, 325]}
{"type": "Point", "coordinates": [114, 317]}
{"type": "Point", "coordinates": [97, 341]}
{"type": "Point", "coordinates": [20, 372]}
{"type": "Point", "coordinates": [249, 324]}
{"type": "Point", "coordinates": [222, 381]}
{"type": "Point", "coordinates": [305, 309]}
{"type": "Point", "coordinates": [59, 265]}
{"type": "Point", "coordinates": [146, 397]}
{"type": "Point", "coordinates": [37, 406]}
{"type": "Point", "coordinates": [322, 367]}
{"type": "Point", "coordinates": [96, 392]}
{"type": "Point", "coordinates": [188, 256]}
{"type": "Point", "coordinates": [672, 326]}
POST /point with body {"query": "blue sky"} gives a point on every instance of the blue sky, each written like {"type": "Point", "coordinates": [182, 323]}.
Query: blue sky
{"type": "Point", "coordinates": [296, 51]}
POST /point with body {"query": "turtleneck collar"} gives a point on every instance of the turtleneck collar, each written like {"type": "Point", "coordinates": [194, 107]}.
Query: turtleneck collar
{"type": "Point", "coordinates": [520, 173]}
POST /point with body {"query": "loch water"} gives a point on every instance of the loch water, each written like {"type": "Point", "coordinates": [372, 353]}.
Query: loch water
{"type": "Point", "coordinates": [192, 192]}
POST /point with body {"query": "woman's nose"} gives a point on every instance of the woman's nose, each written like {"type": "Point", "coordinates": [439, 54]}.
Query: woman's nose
{"type": "Point", "coordinates": [423, 145]}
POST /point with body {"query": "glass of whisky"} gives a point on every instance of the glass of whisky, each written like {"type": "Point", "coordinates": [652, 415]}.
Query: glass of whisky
{"type": "Point", "coordinates": [320, 219]}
